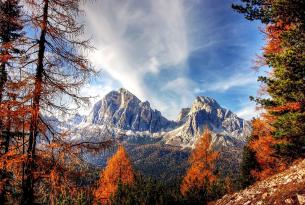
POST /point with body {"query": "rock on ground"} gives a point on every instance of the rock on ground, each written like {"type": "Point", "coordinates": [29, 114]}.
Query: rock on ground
{"type": "Point", "coordinates": [287, 187]}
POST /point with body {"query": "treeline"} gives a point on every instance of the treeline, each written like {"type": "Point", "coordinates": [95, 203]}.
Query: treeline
{"type": "Point", "coordinates": [278, 136]}
{"type": "Point", "coordinates": [43, 66]}
{"type": "Point", "coordinates": [120, 184]}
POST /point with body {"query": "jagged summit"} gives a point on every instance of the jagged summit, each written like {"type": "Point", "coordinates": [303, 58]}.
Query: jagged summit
{"type": "Point", "coordinates": [124, 110]}
{"type": "Point", "coordinates": [207, 100]}
{"type": "Point", "coordinates": [182, 116]}
{"type": "Point", "coordinates": [151, 138]}
{"type": "Point", "coordinates": [121, 111]}
{"type": "Point", "coordinates": [228, 129]}
{"type": "Point", "coordinates": [203, 102]}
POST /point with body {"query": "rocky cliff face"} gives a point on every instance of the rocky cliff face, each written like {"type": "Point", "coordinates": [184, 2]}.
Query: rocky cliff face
{"type": "Point", "coordinates": [152, 140]}
{"type": "Point", "coordinates": [121, 109]}
{"type": "Point", "coordinates": [227, 128]}
{"type": "Point", "coordinates": [287, 187]}
{"type": "Point", "coordinates": [124, 113]}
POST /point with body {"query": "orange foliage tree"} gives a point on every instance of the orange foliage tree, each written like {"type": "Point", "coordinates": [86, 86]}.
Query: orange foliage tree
{"type": "Point", "coordinates": [202, 161]}
{"type": "Point", "coordinates": [263, 145]}
{"type": "Point", "coordinates": [279, 134]}
{"type": "Point", "coordinates": [119, 170]}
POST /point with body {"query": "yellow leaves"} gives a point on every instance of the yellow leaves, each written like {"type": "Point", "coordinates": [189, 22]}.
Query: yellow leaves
{"type": "Point", "coordinates": [119, 168]}
{"type": "Point", "coordinates": [202, 162]}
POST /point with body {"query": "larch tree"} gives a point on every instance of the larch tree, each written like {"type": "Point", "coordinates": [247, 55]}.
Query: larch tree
{"type": "Point", "coordinates": [57, 68]}
{"type": "Point", "coordinates": [200, 174]}
{"type": "Point", "coordinates": [118, 170]}
{"type": "Point", "coordinates": [11, 37]}
{"type": "Point", "coordinates": [284, 102]}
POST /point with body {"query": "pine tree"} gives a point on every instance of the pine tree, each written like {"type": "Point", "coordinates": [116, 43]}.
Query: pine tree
{"type": "Point", "coordinates": [285, 86]}
{"type": "Point", "coordinates": [10, 34]}
{"type": "Point", "coordinates": [118, 170]}
{"type": "Point", "coordinates": [51, 66]}
{"type": "Point", "coordinates": [248, 164]}
{"type": "Point", "coordinates": [200, 176]}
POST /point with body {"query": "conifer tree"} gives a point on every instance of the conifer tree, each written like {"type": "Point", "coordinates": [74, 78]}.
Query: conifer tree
{"type": "Point", "coordinates": [285, 85]}
{"type": "Point", "coordinates": [57, 68]}
{"type": "Point", "coordinates": [118, 171]}
{"type": "Point", "coordinates": [200, 176]}
{"type": "Point", "coordinates": [10, 39]}
{"type": "Point", "coordinates": [248, 164]}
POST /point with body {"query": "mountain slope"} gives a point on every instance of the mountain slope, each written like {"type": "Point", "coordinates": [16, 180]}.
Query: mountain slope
{"type": "Point", "coordinates": [121, 109]}
{"type": "Point", "coordinates": [287, 187]}
{"type": "Point", "coordinates": [227, 128]}
{"type": "Point", "coordinates": [156, 144]}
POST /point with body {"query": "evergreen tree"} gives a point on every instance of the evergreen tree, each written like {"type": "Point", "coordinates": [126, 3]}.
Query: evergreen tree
{"type": "Point", "coordinates": [147, 191]}
{"type": "Point", "coordinates": [284, 53]}
{"type": "Point", "coordinates": [248, 164]}
{"type": "Point", "coordinates": [57, 67]}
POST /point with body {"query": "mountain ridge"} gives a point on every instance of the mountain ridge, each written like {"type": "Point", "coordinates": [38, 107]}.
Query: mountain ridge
{"type": "Point", "coordinates": [160, 147]}
{"type": "Point", "coordinates": [122, 112]}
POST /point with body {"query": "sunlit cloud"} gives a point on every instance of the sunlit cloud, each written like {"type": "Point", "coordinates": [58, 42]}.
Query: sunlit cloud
{"type": "Point", "coordinates": [224, 84]}
{"type": "Point", "coordinates": [135, 39]}
{"type": "Point", "coordinates": [148, 46]}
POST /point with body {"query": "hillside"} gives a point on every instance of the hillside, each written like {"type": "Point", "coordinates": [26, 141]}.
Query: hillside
{"type": "Point", "coordinates": [287, 187]}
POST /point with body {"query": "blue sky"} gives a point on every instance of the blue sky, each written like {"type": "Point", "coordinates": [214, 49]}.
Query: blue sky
{"type": "Point", "coordinates": [169, 52]}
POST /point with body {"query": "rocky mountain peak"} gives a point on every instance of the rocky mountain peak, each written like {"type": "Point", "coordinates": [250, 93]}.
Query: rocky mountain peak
{"type": "Point", "coordinates": [182, 116]}
{"type": "Point", "coordinates": [206, 103]}
{"type": "Point", "coordinates": [227, 127]}
{"type": "Point", "coordinates": [123, 110]}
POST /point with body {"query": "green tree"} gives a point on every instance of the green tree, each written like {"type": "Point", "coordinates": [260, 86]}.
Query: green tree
{"type": "Point", "coordinates": [248, 163]}
{"type": "Point", "coordinates": [284, 53]}
{"type": "Point", "coordinates": [147, 191]}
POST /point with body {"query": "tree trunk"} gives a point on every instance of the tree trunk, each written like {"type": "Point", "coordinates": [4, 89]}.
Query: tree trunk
{"type": "Point", "coordinates": [28, 188]}
{"type": "Point", "coordinates": [3, 79]}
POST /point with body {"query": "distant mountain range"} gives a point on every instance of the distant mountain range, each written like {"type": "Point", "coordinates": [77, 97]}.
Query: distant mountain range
{"type": "Point", "coordinates": [158, 146]}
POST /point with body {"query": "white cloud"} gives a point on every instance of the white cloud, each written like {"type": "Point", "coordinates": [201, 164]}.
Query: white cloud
{"type": "Point", "coordinates": [133, 39]}
{"type": "Point", "coordinates": [95, 92]}
{"type": "Point", "coordinates": [181, 86]}
{"type": "Point", "coordinates": [225, 84]}
{"type": "Point", "coordinates": [248, 112]}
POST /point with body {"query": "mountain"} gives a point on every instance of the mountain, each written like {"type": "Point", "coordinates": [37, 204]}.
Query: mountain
{"type": "Point", "coordinates": [227, 129]}
{"type": "Point", "coordinates": [123, 110]}
{"type": "Point", "coordinates": [287, 187]}
{"type": "Point", "coordinates": [158, 146]}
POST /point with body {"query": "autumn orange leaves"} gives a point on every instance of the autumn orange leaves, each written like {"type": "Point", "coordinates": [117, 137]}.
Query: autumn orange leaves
{"type": "Point", "coordinates": [202, 166]}
{"type": "Point", "coordinates": [119, 170]}
{"type": "Point", "coordinates": [199, 177]}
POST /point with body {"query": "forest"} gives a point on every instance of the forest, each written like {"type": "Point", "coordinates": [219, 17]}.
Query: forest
{"type": "Point", "coordinates": [43, 56]}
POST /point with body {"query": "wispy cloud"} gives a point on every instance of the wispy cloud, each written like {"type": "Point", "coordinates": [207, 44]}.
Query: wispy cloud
{"type": "Point", "coordinates": [226, 83]}
{"type": "Point", "coordinates": [133, 39]}
{"type": "Point", "coordinates": [149, 47]}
